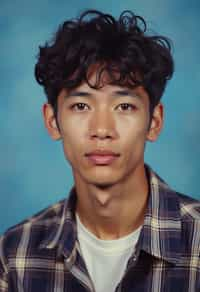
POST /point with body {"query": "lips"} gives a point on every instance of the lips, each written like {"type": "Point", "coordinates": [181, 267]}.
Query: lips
{"type": "Point", "coordinates": [102, 157]}
{"type": "Point", "coordinates": [102, 153]}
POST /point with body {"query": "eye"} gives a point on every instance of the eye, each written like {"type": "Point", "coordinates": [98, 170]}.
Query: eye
{"type": "Point", "coordinates": [78, 106]}
{"type": "Point", "coordinates": [127, 106]}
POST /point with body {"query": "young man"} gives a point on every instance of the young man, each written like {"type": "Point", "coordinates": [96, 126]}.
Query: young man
{"type": "Point", "coordinates": [122, 228]}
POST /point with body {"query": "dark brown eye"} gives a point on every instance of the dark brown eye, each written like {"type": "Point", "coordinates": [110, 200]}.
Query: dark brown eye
{"type": "Point", "coordinates": [78, 106]}
{"type": "Point", "coordinates": [127, 106]}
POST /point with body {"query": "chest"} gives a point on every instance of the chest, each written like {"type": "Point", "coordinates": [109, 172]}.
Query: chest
{"type": "Point", "coordinates": [146, 275]}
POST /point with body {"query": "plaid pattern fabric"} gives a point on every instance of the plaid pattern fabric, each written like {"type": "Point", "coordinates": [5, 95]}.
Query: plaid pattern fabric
{"type": "Point", "coordinates": [42, 254]}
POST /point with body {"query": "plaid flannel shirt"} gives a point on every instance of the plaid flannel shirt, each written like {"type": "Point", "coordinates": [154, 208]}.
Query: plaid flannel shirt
{"type": "Point", "coordinates": [42, 254]}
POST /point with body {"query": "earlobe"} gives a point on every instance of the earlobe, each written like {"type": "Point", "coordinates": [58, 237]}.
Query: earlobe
{"type": "Point", "coordinates": [50, 121]}
{"type": "Point", "coordinates": [156, 123]}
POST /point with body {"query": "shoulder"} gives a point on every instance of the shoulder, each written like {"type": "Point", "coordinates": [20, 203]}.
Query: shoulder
{"type": "Point", "coordinates": [189, 214]}
{"type": "Point", "coordinates": [180, 212]}
{"type": "Point", "coordinates": [173, 202]}
{"type": "Point", "coordinates": [189, 207]}
{"type": "Point", "coordinates": [33, 229]}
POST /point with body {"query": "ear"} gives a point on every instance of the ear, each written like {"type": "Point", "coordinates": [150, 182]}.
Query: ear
{"type": "Point", "coordinates": [156, 123]}
{"type": "Point", "coordinates": [50, 121]}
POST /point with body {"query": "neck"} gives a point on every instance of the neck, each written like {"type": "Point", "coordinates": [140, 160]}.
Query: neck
{"type": "Point", "coordinates": [115, 211]}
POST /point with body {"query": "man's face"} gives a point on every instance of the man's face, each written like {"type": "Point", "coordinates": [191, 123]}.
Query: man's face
{"type": "Point", "coordinates": [112, 118]}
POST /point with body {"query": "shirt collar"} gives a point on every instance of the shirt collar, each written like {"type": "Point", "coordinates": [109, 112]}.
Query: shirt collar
{"type": "Point", "coordinates": [161, 232]}
{"type": "Point", "coordinates": [160, 235]}
{"type": "Point", "coordinates": [63, 233]}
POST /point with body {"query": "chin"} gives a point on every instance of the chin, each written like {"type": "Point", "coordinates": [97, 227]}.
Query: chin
{"type": "Point", "coordinates": [103, 183]}
{"type": "Point", "coordinates": [102, 178]}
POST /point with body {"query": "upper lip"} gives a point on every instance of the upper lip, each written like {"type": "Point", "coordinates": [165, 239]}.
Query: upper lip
{"type": "Point", "coordinates": [102, 152]}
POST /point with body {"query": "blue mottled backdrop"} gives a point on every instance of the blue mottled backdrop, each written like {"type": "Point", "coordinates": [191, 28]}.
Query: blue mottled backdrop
{"type": "Point", "coordinates": [33, 171]}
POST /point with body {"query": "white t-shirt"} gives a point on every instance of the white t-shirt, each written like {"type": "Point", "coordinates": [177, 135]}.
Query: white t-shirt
{"type": "Point", "coordinates": [106, 260]}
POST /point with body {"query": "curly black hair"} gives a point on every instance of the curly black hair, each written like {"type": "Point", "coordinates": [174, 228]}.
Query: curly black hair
{"type": "Point", "coordinates": [120, 46]}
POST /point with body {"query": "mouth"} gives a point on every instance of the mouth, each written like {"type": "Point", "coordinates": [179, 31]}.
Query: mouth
{"type": "Point", "coordinates": [102, 157]}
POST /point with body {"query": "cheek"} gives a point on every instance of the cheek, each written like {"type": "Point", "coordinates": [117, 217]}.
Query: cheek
{"type": "Point", "coordinates": [133, 130]}
{"type": "Point", "coordinates": [72, 139]}
{"type": "Point", "coordinates": [133, 142]}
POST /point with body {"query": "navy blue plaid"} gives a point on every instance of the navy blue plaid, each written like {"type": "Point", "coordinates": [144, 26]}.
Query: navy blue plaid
{"type": "Point", "coordinates": [42, 254]}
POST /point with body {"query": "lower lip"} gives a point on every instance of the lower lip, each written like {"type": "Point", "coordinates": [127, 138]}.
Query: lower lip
{"type": "Point", "coordinates": [102, 159]}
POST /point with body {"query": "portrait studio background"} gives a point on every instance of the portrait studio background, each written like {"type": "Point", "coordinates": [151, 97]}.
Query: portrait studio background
{"type": "Point", "coordinates": [33, 171]}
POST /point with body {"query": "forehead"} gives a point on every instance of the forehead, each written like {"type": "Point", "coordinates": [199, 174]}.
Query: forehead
{"type": "Point", "coordinates": [99, 81]}
{"type": "Point", "coordinates": [108, 90]}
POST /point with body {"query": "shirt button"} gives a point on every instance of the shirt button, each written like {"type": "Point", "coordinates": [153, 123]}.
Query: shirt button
{"type": "Point", "coordinates": [134, 258]}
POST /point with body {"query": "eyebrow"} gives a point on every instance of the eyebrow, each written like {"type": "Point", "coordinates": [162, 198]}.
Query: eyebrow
{"type": "Point", "coordinates": [116, 93]}
{"type": "Point", "coordinates": [78, 93]}
{"type": "Point", "coordinates": [125, 92]}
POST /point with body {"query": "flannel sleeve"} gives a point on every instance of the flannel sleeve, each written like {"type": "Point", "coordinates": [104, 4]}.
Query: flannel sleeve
{"type": "Point", "coordinates": [3, 269]}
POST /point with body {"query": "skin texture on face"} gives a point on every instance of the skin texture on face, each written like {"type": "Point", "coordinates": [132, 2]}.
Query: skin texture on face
{"type": "Point", "coordinates": [102, 124]}
{"type": "Point", "coordinates": [112, 118]}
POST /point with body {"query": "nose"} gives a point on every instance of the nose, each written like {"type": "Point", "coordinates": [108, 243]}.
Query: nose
{"type": "Point", "coordinates": [102, 125]}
